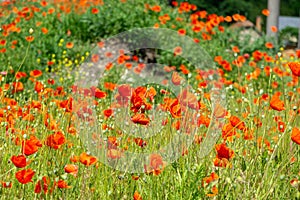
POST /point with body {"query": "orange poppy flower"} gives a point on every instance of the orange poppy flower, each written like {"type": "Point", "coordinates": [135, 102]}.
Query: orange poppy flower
{"type": "Point", "coordinates": [74, 159]}
{"type": "Point", "coordinates": [62, 184]}
{"type": "Point", "coordinates": [296, 135]}
{"type": "Point", "coordinates": [269, 45]}
{"type": "Point", "coordinates": [228, 131]}
{"type": "Point", "coordinates": [236, 122]}
{"type": "Point", "coordinates": [265, 12]}
{"type": "Point", "coordinates": [44, 30]}
{"type": "Point", "coordinates": [29, 38]}
{"type": "Point", "coordinates": [25, 176]}
{"type": "Point", "coordinates": [276, 103]}
{"type": "Point", "coordinates": [176, 78]}
{"type": "Point", "coordinates": [114, 154]}
{"type": "Point", "coordinates": [228, 18]}
{"type": "Point", "coordinates": [137, 196]}
{"type": "Point", "coordinates": [235, 49]}
{"type": "Point", "coordinates": [205, 120]}
{"type": "Point", "coordinates": [69, 45]}
{"type": "Point", "coordinates": [212, 177]}
{"type": "Point", "coordinates": [156, 8]}
{"type": "Point", "coordinates": [36, 73]}
{"type": "Point", "coordinates": [51, 10]}
{"type": "Point", "coordinates": [295, 68]}
{"type": "Point", "coordinates": [95, 58]}
{"type": "Point", "coordinates": [156, 161]}
{"type": "Point", "coordinates": [214, 192]}
{"type": "Point", "coordinates": [236, 17]}
{"type": "Point", "coordinates": [17, 87]}
{"type": "Point", "coordinates": [177, 51]}
{"type": "Point", "coordinates": [19, 161]}
{"type": "Point", "coordinates": [174, 108]}
{"type": "Point", "coordinates": [87, 160]}
{"type": "Point", "coordinates": [274, 29]}
{"type": "Point", "coordinates": [71, 169]}
{"type": "Point", "coordinates": [220, 111]}
{"type": "Point", "coordinates": [140, 118]}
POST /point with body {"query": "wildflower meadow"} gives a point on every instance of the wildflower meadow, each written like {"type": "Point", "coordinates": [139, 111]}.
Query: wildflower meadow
{"type": "Point", "coordinates": [144, 99]}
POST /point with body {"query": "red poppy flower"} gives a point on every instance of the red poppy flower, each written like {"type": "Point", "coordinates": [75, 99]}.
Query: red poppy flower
{"type": "Point", "coordinates": [124, 90]}
{"type": "Point", "coordinates": [55, 140]}
{"type": "Point", "coordinates": [281, 126]}
{"type": "Point", "coordinates": [36, 73]}
{"type": "Point", "coordinates": [17, 87]}
{"type": "Point", "coordinates": [3, 50]}
{"type": "Point", "coordinates": [6, 184]}
{"type": "Point", "coordinates": [181, 32]}
{"type": "Point", "coordinates": [38, 187]}
{"type": "Point", "coordinates": [31, 146]}
{"type": "Point", "coordinates": [108, 112]}
{"type": "Point", "coordinates": [19, 161]}
{"type": "Point", "coordinates": [25, 176]}
{"type": "Point", "coordinates": [62, 184]}
{"type": "Point", "coordinates": [95, 10]}
{"type": "Point", "coordinates": [224, 152]}
{"type": "Point", "coordinates": [38, 86]}
{"type": "Point", "coordinates": [98, 93]}
{"type": "Point", "coordinates": [140, 142]}
{"type": "Point", "coordinates": [2, 42]}
{"type": "Point", "coordinates": [51, 81]}
{"type": "Point", "coordinates": [20, 75]}
{"type": "Point", "coordinates": [44, 3]}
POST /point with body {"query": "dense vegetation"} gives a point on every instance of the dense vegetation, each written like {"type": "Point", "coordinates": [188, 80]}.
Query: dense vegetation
{"type": "Point", "coordinates": [221, 123]}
